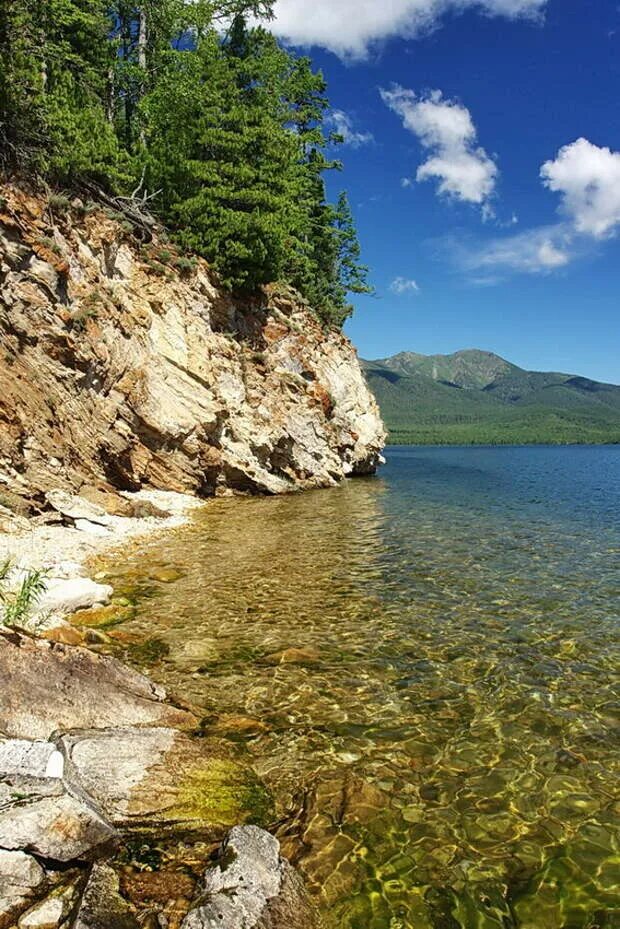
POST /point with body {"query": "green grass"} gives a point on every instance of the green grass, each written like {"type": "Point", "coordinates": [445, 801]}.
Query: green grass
{"type": "Point", "coordinates": [16, 605]}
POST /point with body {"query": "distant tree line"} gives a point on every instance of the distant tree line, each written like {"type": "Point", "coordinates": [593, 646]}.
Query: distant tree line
{"type": "Point", "coordinates": [182, 98]}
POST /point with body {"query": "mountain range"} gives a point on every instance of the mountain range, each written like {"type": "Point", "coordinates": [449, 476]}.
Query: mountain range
{"type": "Point", "coordinates": [476, 397]}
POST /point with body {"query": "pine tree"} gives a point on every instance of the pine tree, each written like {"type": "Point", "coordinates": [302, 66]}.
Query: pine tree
{"type": "Point", "coordinates": [224, 163]}
{"type": "Point", "coordinates": [56, 59]}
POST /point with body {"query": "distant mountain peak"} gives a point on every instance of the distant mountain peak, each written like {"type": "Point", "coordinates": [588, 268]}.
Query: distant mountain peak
{"type": "Point", "coordinates": [470, 368]}
{"type": "Point", "coordinates": [476, 396]}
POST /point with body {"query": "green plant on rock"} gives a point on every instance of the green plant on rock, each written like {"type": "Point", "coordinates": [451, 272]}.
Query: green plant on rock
{"type": "Point", "coordinates": [16, 605]}
{"type": "Point", "coordinates": [58, 203]}
{"type": "Point", "coordinates": [49, 243]}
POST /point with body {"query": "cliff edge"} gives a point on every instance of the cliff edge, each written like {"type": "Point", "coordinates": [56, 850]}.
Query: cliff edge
{"type": "Point", "coordinates": [124, 366]}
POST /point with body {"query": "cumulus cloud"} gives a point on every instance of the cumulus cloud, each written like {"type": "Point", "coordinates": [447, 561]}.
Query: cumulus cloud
{"type": "Point", "coordinates": [342, 124]}
{"type": "Point", "coordinates": [588, 179]}
{"type": "Point", "coordinates": [446, 130]}
{"type": "Point", "coordinates": [351, 27]}
{"type": "Point", "coordinates": [403, 285]}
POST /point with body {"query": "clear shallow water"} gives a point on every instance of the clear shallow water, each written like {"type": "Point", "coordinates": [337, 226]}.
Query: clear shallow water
{"type": "Point", "coordinates": [422, 668]}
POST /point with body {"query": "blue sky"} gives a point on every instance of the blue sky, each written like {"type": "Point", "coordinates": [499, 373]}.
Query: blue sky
{"type": "Point", "coordinates": [468, 245]}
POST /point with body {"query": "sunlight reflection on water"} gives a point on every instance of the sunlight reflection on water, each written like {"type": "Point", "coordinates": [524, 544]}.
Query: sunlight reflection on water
{"type": "Point", "coordinates": [422, 668]}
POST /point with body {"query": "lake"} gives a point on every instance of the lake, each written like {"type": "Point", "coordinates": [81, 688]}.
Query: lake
{"type": "Point", "coordinates": [421, 666]}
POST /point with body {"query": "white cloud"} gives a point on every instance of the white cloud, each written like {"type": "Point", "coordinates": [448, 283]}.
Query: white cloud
{"type": "Point", "coordinates": [403, 285]}
{"type": "Point", "coordinates": [406, 182]}
{"type": "Point", "coordinates": [445, 128]}
{"type": "Point", "coordinates": [588, 179]}
{"type": "Point", "coordinates": [342, 124]}
{"type": "Point", "coordinates": [537, 251]}
{"type": "Point", "coordinates": [351, 27]}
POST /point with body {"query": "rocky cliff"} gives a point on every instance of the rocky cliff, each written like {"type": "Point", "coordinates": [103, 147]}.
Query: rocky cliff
{"type": "Point", "coordinates": [123, 365]}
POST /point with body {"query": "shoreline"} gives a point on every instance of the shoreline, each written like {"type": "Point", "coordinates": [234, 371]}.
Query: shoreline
{"type": "Point", "coordinates": [34, 546]}
{"type": "Point", "coordinates": [69, 817]}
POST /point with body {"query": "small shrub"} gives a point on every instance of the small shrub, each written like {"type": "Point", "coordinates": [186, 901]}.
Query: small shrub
{"type": "Point", "coordinates": [164, 256]}
{"type": "Point", "coordinates": [114, 214]}
{"type": "Point", "coordinates": [117, 297]}
{"type": "Point", "coordinates": [84, 209]}
{"type": "Point", "coordinates": [80, 317]}
{"type": "Point", "coordinates": [58, 203]}
{"type": "Point", "coordinates": [184, 264]}
{"type": "Point", "coordinates": [50, 244]}
{"type": "Point", "coordinates": [155, 266]}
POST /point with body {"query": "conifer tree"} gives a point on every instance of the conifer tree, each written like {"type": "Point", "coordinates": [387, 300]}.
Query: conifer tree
{"type": "Point", "coordinates": [224, 162]}
{"type": "Point", "coordinates": [223, 126]}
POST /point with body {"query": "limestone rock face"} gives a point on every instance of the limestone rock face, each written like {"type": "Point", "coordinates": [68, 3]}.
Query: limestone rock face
{"type": "Point", "coordinates": [119, 371]}
{"type": "Point", "coordinates": [48, 688]}
{"type": "Point", "coordinates": [252, 887]}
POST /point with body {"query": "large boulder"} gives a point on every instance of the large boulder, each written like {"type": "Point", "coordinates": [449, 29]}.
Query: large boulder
{"type": "Point", "coordinates": [163, 780]}
{"type": "Point", "coordinates": [252, 887]}
{"type": "Point", "coordinates": [48, 688]}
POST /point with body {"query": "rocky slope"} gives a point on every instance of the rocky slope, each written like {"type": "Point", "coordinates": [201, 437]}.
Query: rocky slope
{"type": "Point", "coordinates": [122, 366]}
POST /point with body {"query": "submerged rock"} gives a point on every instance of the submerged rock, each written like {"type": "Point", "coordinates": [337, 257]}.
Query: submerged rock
{"type": "Point", "coordinates": [252, 887]}
{"type": "Point", "coordinates": [163, 780]}
{"type": "Point", "coordinates": [48, 687]}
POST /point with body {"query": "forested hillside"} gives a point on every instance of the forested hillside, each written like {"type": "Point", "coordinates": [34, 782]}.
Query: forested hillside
{"type": "Point", "coordinates": [476, 397]}
{"type": "Point", "coordinates": [203, 119]}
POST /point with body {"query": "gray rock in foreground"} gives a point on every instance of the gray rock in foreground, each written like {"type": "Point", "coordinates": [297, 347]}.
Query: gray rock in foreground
{"type": "Point", "coordinates": [52, 912]}
{"type": "Point", "coordinates": [21, 878]}
{"type": "Point", "coordinates": [40, 816]}
{"type": "Point", "coordinates": [252, 887]}
{"type": "Point", "coordinates": [48, 688]}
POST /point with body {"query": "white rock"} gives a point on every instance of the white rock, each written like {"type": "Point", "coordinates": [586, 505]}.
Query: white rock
{"type": "Point", "coordinates": [20, 756]}
{"type": "Point", "coordinates": [67, 596]}
{"type": "Point", "coordinates": [77, 508]}
{"type": "Point", "coordinates": [85, 525]}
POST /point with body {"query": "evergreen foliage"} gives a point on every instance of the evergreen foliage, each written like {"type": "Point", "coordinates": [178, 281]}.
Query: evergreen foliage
{"type": "Point", "coordinates": [183, 99]}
